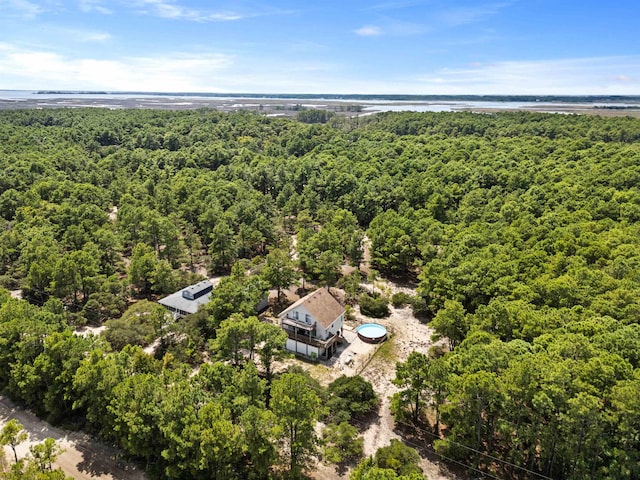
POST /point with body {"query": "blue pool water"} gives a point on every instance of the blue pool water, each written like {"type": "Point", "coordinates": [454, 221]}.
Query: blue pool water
{"type": "Point", "coordinates": [371, 332]}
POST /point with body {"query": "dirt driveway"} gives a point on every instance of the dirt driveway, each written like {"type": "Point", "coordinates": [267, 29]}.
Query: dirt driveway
{"type": "Point", "coordinates": [83, 457]}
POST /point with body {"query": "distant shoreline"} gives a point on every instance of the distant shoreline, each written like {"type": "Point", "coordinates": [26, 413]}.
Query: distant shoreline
{"type": "Point", "coordinates": [365, 97]}
{"type": "Point", "coordinates": [353, 105]}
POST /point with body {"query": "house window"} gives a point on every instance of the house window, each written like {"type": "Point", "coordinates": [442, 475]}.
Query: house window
{"type": "Point", "coordinates": [295, 315]}
{"type": "Point", "coordinates": [307, 318]}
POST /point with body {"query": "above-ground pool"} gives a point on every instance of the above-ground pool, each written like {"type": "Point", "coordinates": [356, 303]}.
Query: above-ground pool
{"type": "Point", "coordinates": [371, 332]}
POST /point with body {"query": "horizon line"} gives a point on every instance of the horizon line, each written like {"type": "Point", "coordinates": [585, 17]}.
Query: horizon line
{"type": "Point", "coordinates": [322, 95]}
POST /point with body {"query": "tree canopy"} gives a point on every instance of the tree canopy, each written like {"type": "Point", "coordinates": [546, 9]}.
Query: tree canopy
{"type": "Point", "coordinates": [520, 229]}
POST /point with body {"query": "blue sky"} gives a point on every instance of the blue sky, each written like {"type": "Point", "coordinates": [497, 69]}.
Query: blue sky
{"type": "Point", "coordinates": [350, 46]}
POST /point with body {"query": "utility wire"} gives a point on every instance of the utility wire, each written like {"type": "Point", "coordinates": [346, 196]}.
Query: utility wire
{"type": "Point", "coordinates": [466, 447]}
{"type": "Point", "coordinates": [506, 462]}
{"type": "Point", "coordinates": [418, 446]}
{"type": "Point", "coordinates": [466, 465]}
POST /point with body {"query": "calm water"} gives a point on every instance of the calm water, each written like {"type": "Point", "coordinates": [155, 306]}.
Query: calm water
{"type": "Point", "coordinates": [370, 103]}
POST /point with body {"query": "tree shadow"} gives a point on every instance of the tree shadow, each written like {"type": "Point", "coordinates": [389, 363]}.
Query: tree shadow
{"type": "Point", "coordinates": [406, 281]}
{"type": "Point", "coordinates": [343, 467]}
{"type": "Point", "coordinates": [422, 442]}
{"type": "Point", "coordinates": [364, 422]}
{"type": "Point", "coordinates": [110, 462]}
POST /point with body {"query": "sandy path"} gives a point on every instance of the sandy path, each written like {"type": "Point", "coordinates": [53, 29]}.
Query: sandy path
{"type": "Point", "coordinates": [83, 457]}
{"type": "Point", "coordinates": [408, 335]}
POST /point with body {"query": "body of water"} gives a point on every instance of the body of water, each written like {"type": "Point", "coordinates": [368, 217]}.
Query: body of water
{"type": "Point", "coordinates": [368, 104]}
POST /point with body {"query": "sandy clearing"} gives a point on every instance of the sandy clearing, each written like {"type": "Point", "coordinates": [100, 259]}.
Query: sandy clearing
{"type": "Point", "coordinates": [87, 330]}
{"type": "Point", "coordinates": [16, 294]}
{"type": "Point", "coordinates": [408, 334]}
{"type": "Point", "coordinates": [83, 457]}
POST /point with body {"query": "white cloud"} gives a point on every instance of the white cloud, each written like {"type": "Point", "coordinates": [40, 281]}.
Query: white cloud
{"type": "Point", "coordinates": [20, 8]}
{"type": "Point", "coordinates": [458, 16]}
{"type": "Point", "coordinates": [165, 9]}
{"type": "Point", "coordinates": [94, 6]}
{"type": "Point", "coordinates": [369, 31]}
{"type": "Point", "coordinates": [577, 76]}
{"type": "Point", "coordinates": [172, 10]}
{"type": "Point", "coordinates": [82, 36]}
{"type": "Point", "coordinates": [94, 37]}
{"type": "Point", "coordinates": [37, 69]}
{"type": "Point", "coordinates": [582, 76]}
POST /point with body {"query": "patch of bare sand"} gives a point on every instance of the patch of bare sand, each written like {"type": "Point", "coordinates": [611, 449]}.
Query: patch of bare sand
{"type": "Point", "coordinates": [87, 330]}
{"type": "Point", "coordinates": [16, 294]}
{"type": "Point", "coordinates": [83, 458]}
{"type": "Point", "coordinates": [113, 213]}
{"type": "Point", "coordinates": [377, 364]}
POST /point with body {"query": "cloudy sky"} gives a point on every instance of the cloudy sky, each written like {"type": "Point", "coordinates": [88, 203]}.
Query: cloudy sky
{"type": "Point", "coordinates": [324, 46]}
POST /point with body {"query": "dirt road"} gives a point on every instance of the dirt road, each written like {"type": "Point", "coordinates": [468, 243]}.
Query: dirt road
{"type": "Point", "coordinates": [83, 457]}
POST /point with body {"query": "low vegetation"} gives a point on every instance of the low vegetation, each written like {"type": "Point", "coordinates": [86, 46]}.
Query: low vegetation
{"type": "Point", "coordinates": [350, 399]}
{"type": "Point", "coordinates": [375, 306]}
{"type": "Point", "coordinates": [396, 461]}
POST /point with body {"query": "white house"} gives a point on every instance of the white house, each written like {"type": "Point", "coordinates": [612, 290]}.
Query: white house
{"type": "Point", "coordinates": [313, 324]}
{"type": "Point", "coordinates": [188, 300]}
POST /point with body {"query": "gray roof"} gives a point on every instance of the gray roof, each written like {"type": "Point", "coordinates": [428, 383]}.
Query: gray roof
{"type": "Point", "coordinates": [199, 289]}
{"type": "Point", "coordinates": [178, 301]}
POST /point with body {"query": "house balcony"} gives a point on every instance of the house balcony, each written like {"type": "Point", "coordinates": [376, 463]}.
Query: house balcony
{"type": "Point", "coordinates": [292, 322]}
{"type": "Point", "coordinates": [306, 336]}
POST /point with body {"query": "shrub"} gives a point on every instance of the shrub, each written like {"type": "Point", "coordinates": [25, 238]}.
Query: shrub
{"type": "Point", "coordinates": [341, 443]}
{"type": "Point", "coordinates": [351, 286]}
{"type": "Point", "coordinates": [314, 116]}
{"type": "Point", "coordinates": [350, 398]}
{"type": "Point", "coordinates": [376, 307]}
{"type": "Point", "coordinates": [394, 462]}
{"type": "Point", "coordinates": [140, 325]}
{"type": "Point", "coordinates": [420, 307]}
{"type": "Point", "coordinates": [8, 282]}
{"type": "Point", "coordinates": [401, 299]}
{"type": "Point", "coordinates": [349, 314]}
{"type": "Point", "coordinates": [398, 457]}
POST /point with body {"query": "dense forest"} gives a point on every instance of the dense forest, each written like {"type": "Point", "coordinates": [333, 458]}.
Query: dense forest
{"type": "Point", "coordinates": [520, 230]}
